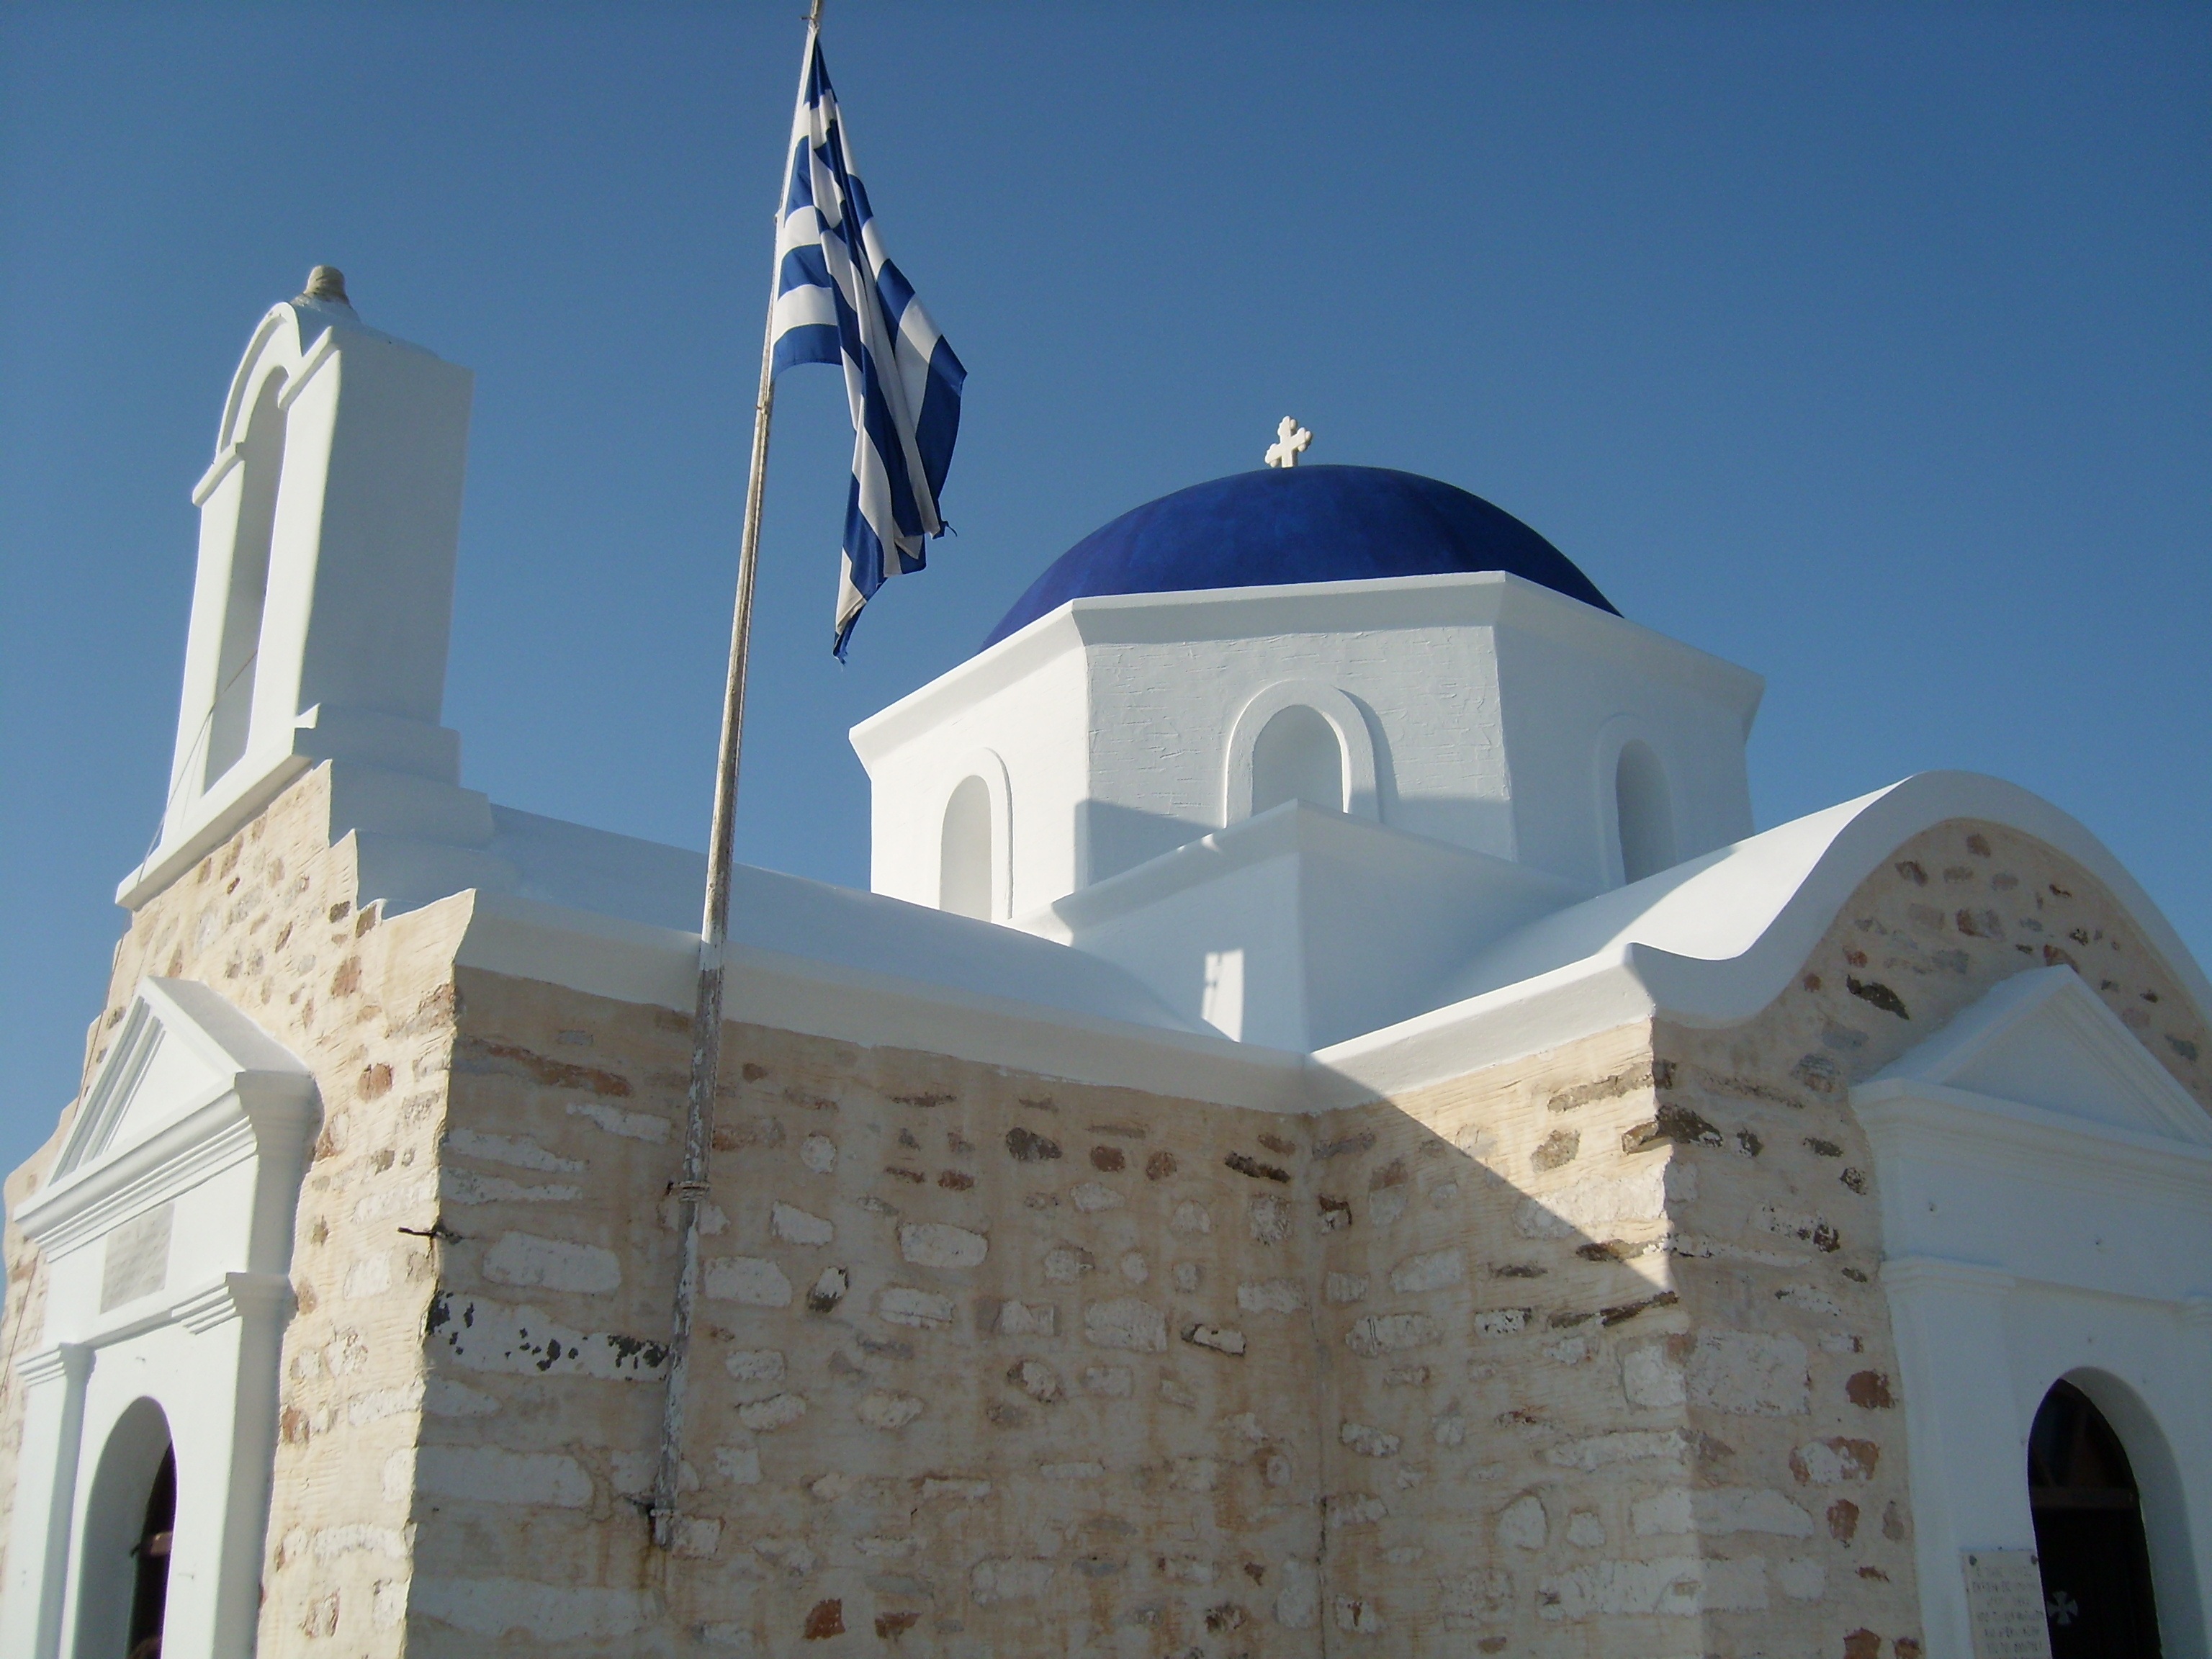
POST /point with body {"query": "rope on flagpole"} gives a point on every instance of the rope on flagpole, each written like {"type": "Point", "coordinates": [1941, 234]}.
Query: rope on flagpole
{"type": "Point", "coordinates": [691, 1187]}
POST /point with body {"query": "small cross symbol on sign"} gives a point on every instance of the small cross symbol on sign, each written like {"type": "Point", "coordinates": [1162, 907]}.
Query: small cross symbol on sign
{"type": "Point", "coordinates": [1291, 439]}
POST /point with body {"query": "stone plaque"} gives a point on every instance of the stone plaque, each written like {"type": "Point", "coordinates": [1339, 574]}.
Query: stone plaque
{"type": "Point", "coordinates": [137, 1260]}
{"type": "Point", "coordinates": [2005, 1603]}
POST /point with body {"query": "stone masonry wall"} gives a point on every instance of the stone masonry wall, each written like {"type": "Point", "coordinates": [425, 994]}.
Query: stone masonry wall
{"type": "Point", "coordinates": [985, 1364]}
{"type": "Point", "coordinates": [269, 920]}
{"type": "Point", "coordinates": [26, 1318]}
{"type": "Point", "coordinates": [1584, 1355]}
{"type": "Point", "coordinates": [1605, 1360]}
{"type": "Point", "coordinates": [1780, 1246]}
{"type": "Point", "coordinates": [1472, 1357]}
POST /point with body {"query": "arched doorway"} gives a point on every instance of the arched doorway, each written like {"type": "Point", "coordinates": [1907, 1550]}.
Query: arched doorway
{"type": "Point", "coordinates": [123, 1567]}
{"type": "Point", "coordinates": [2089, 1533]}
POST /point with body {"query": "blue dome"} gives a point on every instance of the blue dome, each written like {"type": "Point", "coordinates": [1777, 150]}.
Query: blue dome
{"type": "Point", "coordinates": [1307, 523]}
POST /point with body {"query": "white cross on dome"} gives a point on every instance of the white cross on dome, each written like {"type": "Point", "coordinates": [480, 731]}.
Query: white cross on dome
{"type": "Point", "coordinates": [1291, 439]}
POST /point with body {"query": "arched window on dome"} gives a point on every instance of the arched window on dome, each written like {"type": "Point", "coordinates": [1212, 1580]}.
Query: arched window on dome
{"type": "Point", "coordinates": [1646, 813]}
{"type": "Point", "coordinates": [1298, 758]}
{"type": "Point", "coordinates": [248, 595]}
{"type": "Point", "coordinates": [966, 855]}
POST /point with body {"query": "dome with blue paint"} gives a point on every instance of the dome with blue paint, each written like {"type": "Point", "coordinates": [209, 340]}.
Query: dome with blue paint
{"type": "Point", "coordinates": [1306, 524]}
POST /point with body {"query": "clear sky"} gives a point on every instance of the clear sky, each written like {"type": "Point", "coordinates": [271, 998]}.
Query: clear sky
{"type": "Point", "coordinates": [1866, 345]}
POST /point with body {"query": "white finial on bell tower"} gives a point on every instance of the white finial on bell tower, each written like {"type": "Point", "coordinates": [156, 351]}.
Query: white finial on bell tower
{"type": "Point", "coordinates": [1291, 440]}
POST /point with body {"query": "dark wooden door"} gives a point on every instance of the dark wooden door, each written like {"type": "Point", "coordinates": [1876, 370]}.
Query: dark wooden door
{"type": "Point", "coordinates": [150, 1595]}
{"type": "Point", "coordinates": [2089, 1533]}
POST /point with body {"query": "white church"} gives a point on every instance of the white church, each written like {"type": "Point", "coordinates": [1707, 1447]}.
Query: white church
{"type": "Point", "coordinates": [1332, 1133]}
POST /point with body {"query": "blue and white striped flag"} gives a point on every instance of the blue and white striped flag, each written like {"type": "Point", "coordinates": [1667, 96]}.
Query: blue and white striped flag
{"type": "Point", "coordinates": [840, 299]}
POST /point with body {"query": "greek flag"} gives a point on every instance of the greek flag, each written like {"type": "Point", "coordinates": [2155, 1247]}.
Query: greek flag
{"type": "Point", "coordinates": [840, 299]}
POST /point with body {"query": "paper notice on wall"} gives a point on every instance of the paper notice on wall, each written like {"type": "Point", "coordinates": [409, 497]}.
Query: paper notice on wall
{"type": "Point", "coordinates": [2005, 1603]}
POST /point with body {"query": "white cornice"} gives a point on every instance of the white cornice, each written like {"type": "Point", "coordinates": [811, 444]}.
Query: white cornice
{"type": "Point", "coordinates": [234, 1295]}
{"type": "Point", "coordinates": [51, 1365]}
{"type": "Point", "coordinates": [1913, 1274]}
{"type": "Point", "coordinates": [178, 1158]}
{"type": "Point", "coordinates": [1482, 599]}
{"type": "Point", "coordinates": [2059, 997]}
{"type": "Point", "coordinates": [255, 780]}
{"type": "Point", "coordinates": [1909, 1117]}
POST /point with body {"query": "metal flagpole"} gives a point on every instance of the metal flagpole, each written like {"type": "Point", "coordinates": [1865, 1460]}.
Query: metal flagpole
{"type": "Point", "coordinates": [691, 1187]}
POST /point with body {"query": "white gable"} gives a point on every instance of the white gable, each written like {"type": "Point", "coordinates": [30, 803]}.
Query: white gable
{"type": "Point", "coordinates": [2044, 1039]}
{"type": "Point", "coordinates": [182, 1046]}
{"type": "Point", "coordinates": [173, 1079]}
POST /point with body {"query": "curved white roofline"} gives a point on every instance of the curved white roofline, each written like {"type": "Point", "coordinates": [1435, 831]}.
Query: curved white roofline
{"type": "Point", "coordinates": [1713, 941]}
{"type": "Point", "coordinates": [1709, 943]}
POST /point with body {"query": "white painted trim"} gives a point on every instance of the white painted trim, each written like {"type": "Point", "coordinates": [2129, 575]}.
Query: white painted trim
{"type": "Point", "coordinates": [246, 380]}
{"type": "Point", "coordinates": [260, 1100]}
{"type": "Point", "coordinates": [1978, 1349]}
{"type": "Point", "coordinates": [45, 1365]}
{"type": "Point", "coordinates": [49, 1449]}
{"type": "Point", "coordinates": [2029, 1245]}
{"type": "Point", "coordinates": [214, 1138]}
{"type": "Point", "coordinates": [1276, 833]}
{"type": "Point", "coordinates": [219, 469]}
{"type": "Point", "coordinates": [234, 1295]}
{"type": "Point", "coordinates": [208, 1356]}
{"type": "Point", "coordinates": [311, 363]}
{"type": "Point", "coordinates": [1708, 944]}
{"type": "Point", "coordinates": [1914, 1119]}
{"type": "Point", "coordinates": [1355, 746]}
{"type": "Point", "coordinates": [2058, 994]}
{"type": "Point", "coordinates": [254, 780]}
{"type": "Point", "coordinates": [629, 962]}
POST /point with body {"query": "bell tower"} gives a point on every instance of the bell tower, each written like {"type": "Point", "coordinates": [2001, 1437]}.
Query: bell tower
{"type": "Point", "coordinates": [323, 606]}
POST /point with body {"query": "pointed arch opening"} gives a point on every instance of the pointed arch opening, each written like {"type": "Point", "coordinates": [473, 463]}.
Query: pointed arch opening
{"type": "Point", "coordinates": [2089, 1537]}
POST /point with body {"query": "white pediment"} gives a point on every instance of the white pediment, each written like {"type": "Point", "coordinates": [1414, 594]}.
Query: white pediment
{"type": "Point", "coordinates": [2044, 1039]}
{"type": "Point", "coordinates": [181, 1047]}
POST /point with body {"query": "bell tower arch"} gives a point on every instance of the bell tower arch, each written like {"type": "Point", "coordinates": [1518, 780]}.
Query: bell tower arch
{"type": "Point", "coordinates": [322, 608]}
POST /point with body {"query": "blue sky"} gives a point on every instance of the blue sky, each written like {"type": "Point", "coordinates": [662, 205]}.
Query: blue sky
{"type": "Point", "coordinates": [1866, 345]}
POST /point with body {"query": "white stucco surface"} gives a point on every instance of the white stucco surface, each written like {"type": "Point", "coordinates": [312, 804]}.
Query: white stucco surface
{"type": "Point", "coordinates": [167, 1236]}
{"type": "Point", "coordinates": [1338, 920]}
{"type": "Point", "coordinates": [2046, 1196]}
{"type": "Point", "coordinates": [322, 602]}
{"type": "Point", "coordinates": [1493, 711]}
